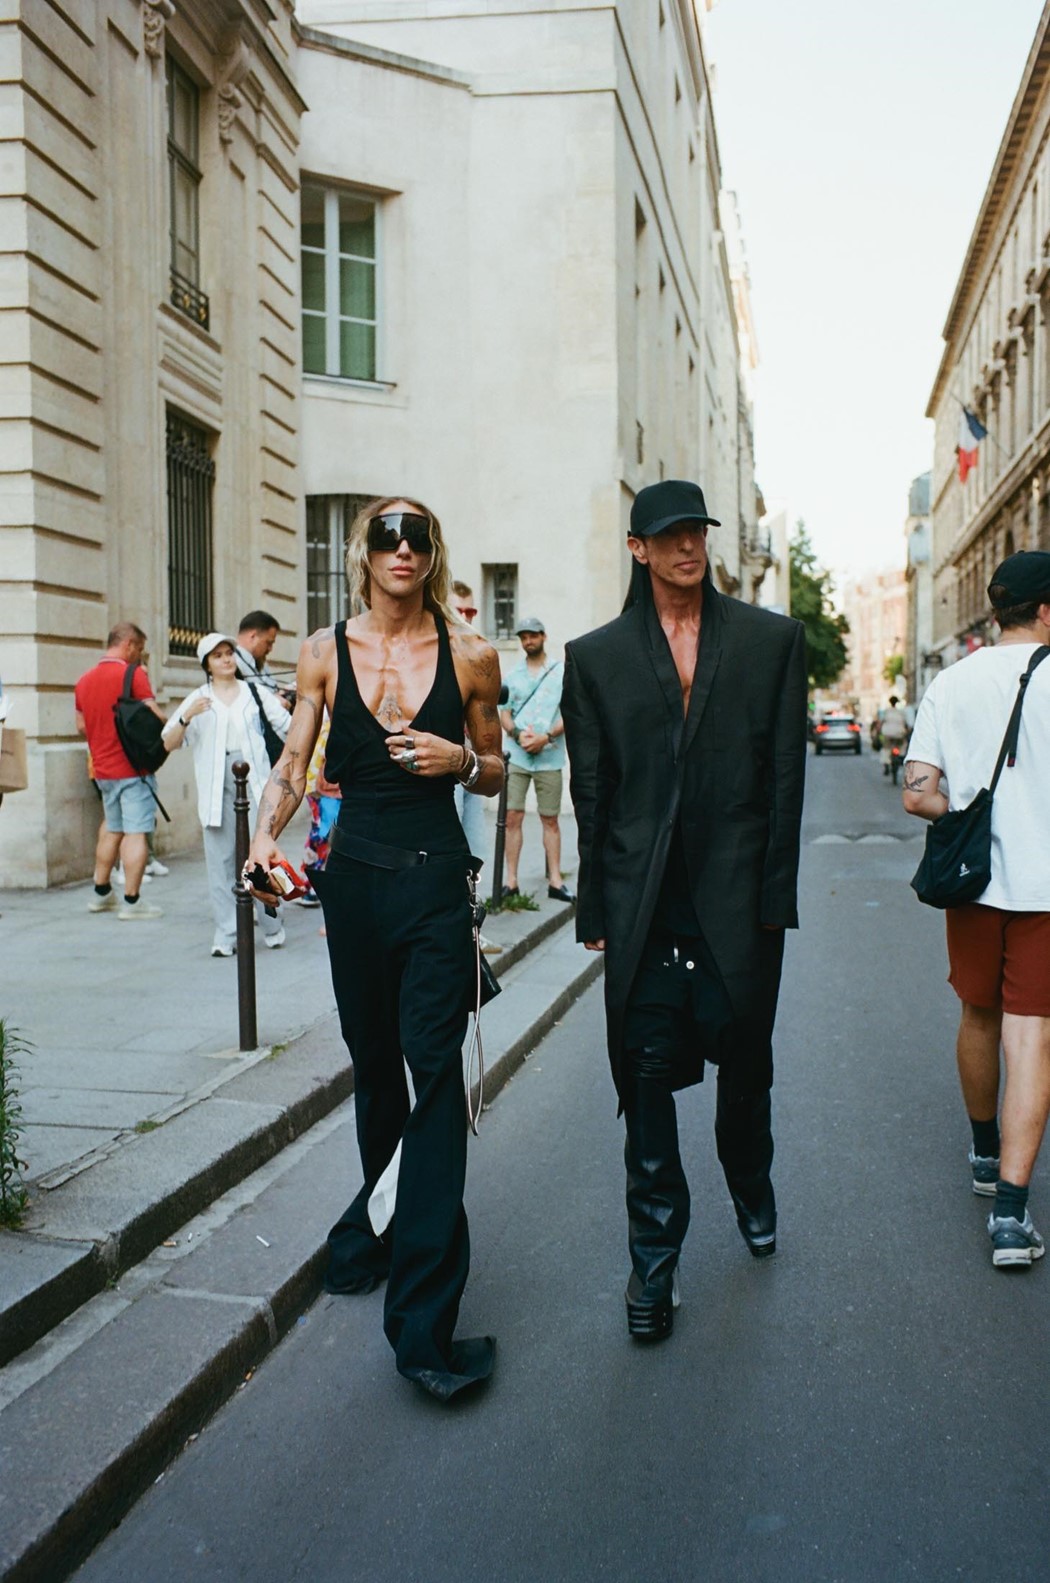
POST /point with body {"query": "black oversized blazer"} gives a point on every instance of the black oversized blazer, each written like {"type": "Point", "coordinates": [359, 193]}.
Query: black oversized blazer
{"type": "Point", "coordinates": [734, 769]}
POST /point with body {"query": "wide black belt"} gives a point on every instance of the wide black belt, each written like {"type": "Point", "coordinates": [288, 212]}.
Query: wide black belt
{"type": "Point", "coordinates": [377, 855]}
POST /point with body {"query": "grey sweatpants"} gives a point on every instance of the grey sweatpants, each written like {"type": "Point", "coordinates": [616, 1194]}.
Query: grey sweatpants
{"type": "Point", "coordinates": [220, 857]}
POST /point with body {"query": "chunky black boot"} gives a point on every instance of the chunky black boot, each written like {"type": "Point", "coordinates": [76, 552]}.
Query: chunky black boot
{"type": "Point", "coordinates": [650, 1309]}
{"type": "Point", "coordinates": [745, 1148]}
{"type": "Point", "coordinates": [657, 1208]}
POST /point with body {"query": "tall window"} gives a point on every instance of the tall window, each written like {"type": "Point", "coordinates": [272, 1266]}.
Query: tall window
{"type": "Point", "coordinates": [501, 599]}
{"type": "Point", "coordinates": [191, 473]}
{"type": "Point", "coordinates": [184, 177]}
{"type": "Point", "coordinates": [328, 519]}
{"type": "Point", "coordinates": [339, 283]}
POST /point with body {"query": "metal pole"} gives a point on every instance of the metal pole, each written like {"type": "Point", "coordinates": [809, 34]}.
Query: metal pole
{"type": "Point", "coordinates": [501, 840]}
{"type": "Point", "coordinates": [245, 914]}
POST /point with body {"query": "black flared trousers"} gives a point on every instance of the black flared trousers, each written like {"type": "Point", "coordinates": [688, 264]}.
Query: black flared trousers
{"type": "Point", "coordinates": [401, 953]}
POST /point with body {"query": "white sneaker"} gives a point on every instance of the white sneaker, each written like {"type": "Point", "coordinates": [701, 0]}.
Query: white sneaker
{"type": "Point", "coordinates": [489, 947]}
{"type": "Point", "coordinates": [274, 941]}
{"type": "Point", "coordinates": [218, 949]}
{"type": "Point", "coordinates": [103, 903]}
{"type": "Point", "coordinates": [117, 876]}
{"type": "Point", "coordinates": [155, 866]}
{"type": "Point", "coordinates": [139, 910]}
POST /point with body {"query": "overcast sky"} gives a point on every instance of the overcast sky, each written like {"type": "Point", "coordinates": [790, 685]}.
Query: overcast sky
{"type": "Point", "coordinates": [859, 138]}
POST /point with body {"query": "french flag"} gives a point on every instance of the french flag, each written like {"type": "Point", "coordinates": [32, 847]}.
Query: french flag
{"type": "Point", "coordinates": [971, 432]}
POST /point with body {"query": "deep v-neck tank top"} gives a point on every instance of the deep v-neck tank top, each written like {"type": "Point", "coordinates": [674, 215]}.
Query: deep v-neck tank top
{"type": "Point", "coordinates": [382, 801]}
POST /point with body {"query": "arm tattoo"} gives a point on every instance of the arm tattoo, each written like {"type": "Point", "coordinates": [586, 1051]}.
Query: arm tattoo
{"type": "Point", "coordinates": [916, 783]}
{"type": "Point", "coordinates": [318, 638]}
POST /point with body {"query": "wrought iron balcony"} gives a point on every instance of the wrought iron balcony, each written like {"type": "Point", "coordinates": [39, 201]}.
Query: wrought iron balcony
{"type": "Point", "coordinates": [190, 300]}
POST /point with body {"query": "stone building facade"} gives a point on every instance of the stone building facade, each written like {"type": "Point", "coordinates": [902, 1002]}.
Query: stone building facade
{"type": "Point", "coordinates": [264, 266]}
{"type": "Point", "coordinates": [996, 363]}
{"type": "Point", "coordinates": [876, 607]}
{"type": "Point", "coordinates": [149, 429]}
{"type": "Point", "coordinates": [556, 320]}
{"type": "Point", "coordinates": [921, 660]}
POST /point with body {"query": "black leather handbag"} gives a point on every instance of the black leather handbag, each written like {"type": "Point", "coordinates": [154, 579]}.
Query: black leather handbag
{"type": "Point", "coordinates": [956, 866]}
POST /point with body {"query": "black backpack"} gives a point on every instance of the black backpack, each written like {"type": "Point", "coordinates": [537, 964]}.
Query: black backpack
{"type": "Point", "coordinates": [139, 730]}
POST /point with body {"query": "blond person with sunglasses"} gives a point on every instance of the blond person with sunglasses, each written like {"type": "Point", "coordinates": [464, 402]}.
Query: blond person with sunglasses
{"type": "Point", "coordinates": [405, 685]}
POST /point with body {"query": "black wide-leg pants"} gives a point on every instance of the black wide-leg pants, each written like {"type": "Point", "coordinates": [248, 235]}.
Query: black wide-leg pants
{"type": "Point", "coordinates": [401, 953]}
{"type": "Point", "coordinates": [679, 1015]}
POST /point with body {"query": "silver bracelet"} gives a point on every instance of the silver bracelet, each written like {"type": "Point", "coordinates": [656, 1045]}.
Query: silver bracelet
{"type": "Point", "coordinates": [475, 772]}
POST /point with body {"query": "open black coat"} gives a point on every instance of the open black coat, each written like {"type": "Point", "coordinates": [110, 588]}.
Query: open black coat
{"type": "Point", "coordinates": [734, 769]}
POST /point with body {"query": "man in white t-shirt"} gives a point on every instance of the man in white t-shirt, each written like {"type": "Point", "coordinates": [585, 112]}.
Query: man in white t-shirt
{"type": "Point", "coordinates": [999, 945]}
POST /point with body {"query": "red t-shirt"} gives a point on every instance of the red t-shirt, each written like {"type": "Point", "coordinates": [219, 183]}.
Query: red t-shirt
{"type": "Point", "coordinates": [96, 693]}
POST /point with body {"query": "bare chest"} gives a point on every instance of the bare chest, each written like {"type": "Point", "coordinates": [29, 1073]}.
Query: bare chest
{"type": "Point", "coordinates": [684, 646]}
{"type": "Point", "coordinates": [394, 675]}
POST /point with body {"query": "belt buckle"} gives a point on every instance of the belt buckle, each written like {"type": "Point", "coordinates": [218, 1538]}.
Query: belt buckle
{"type": "Point", "coordinates": [422, 857]}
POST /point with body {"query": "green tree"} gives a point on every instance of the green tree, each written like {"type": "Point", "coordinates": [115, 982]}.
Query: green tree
{"type": "Point", "coordinates": [893, 668]}
{"type": "Point", "coordinates": [811, 589]}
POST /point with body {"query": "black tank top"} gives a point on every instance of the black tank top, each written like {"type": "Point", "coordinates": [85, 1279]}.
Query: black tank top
{"type": "Point", "coordinates": [382, 801]}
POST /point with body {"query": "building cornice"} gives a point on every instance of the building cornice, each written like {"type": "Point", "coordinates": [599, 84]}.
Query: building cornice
{"type": "Point", "coordinates": [352, 49]}
{"type": "Point", "coordinates": [1008, 163]}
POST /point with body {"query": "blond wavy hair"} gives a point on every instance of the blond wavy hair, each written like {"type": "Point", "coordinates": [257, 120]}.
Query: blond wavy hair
{"type": "Point", "coordinates": [438, 582]}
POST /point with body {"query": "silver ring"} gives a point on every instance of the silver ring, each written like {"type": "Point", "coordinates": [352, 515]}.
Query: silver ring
{"type": "Point", "coordinates": [410, 761]}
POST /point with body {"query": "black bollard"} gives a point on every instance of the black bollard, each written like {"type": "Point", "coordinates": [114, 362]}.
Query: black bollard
{"type": "Point", "coordinates": [501, 840]}
{"type": "Point", "coordinates": [245, 914]}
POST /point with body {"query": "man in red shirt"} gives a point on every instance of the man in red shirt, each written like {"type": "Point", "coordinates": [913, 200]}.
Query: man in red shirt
{"type": "Point", "coordinates": [129, 808]}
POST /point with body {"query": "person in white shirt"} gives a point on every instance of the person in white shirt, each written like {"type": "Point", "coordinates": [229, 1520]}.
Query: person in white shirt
{"type": "Point", "coordinates": [999, 945]}
{"type": "Point", "coordinates": [222, 723]}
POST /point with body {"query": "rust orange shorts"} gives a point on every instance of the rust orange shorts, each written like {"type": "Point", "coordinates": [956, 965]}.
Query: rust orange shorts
{"type": "Point", "coordinates": [1000, 959]}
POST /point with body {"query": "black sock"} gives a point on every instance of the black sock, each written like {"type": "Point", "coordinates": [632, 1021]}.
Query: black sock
{"type": "Point", "coordinates": [985, 1138]}
{"type": "Point", "coordinates": [1010, 1200]}
{"type": "Point", "coordinates": [131, 900]}
{"type": "Point", "coordinates": [103, 890]}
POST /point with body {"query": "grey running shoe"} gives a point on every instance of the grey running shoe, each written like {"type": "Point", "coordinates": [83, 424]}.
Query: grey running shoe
{"type": "Point", "coordinates": [1014, 1242]}
{"type": "Point", "coordinates": [985, 1170]}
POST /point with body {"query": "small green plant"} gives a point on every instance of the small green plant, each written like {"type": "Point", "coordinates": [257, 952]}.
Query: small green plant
{"type": "Point", "coordinates": [14, 1198]}
{"type": "Point", "coordinates": [524, 901]}
{"type": "Point", "coordinates": [147, 1125]}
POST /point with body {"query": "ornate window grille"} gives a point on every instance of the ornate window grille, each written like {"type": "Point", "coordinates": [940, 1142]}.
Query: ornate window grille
{"type": "Point", "coordinates": [501, 600]}
{"type": "Point", "coordinates": [191, 473]}
{"type": "Point", "coordinates": [328, 519]}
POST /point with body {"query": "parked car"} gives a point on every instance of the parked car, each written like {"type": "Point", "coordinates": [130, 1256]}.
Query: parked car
{"type": "Point", "coordinates": [837, 731]}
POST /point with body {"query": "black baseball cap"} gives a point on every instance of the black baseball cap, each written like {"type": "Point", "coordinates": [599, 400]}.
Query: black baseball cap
{"type": "Point", "coordinates": [660, 506]}
{"type": "Point", "coordinates": [1022, 579]}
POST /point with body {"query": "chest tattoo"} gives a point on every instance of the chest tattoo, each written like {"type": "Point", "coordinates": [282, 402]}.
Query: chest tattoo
{"type": "Point", "coordinates": [389, 714]}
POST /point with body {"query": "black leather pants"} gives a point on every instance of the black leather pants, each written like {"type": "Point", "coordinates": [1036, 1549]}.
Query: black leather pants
{"type": "Point", "coordinates": [657, 1191]}
{"type": "Point", "coordinates": [744, 1139]}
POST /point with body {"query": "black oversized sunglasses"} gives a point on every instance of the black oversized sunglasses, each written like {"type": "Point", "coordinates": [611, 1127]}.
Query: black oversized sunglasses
{"type": "Point", "coordinates": [386, 531]}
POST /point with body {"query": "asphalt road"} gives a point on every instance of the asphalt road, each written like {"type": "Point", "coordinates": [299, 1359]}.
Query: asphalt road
{"type": "Point", "coordinates": [868, 1405]}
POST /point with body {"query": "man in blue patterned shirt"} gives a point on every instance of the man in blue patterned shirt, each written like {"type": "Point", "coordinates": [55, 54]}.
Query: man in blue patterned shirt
{"type": "Point", "coordinates": [536, 745]}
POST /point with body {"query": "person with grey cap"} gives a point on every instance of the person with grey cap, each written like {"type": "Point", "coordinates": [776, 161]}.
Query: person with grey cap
{"type": "Point", "coordinates": [686, 726]}
{"type": "Point", "coordinates": [535, 737]}
{"type": "Point", "coordinates": [999, 944]}
{"type": "Point", "coordinates": [221, 721]}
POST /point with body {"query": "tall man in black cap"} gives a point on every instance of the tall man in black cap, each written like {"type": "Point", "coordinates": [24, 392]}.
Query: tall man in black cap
{"type": "Point", "coordinates": [999, 945]}
{"type": "Point", "coordinates": [686, 725]}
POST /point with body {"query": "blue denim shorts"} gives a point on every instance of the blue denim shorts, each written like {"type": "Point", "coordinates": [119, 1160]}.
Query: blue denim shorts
{"type": "Point", "coordinates": [129, 808]}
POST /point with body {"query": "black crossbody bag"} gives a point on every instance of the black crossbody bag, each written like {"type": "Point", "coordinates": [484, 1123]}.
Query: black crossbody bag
{"type": "Point", "coordinates": [956, 866]}
{"type": "Point", "coordinates": [274, 744]}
